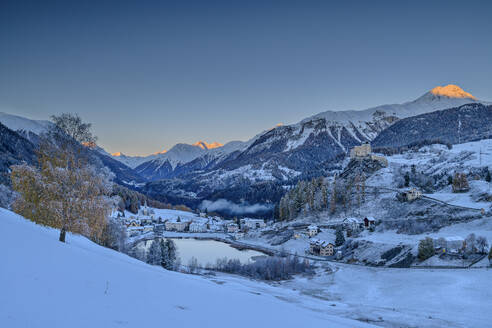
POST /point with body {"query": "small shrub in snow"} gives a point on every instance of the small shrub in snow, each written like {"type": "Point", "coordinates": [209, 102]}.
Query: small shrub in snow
{"type": "Point", "coordinates": [193, 266]}
{"type": "Point", "coordinates": [471, 244]}
{"type": "Point", "coordinates": [460, 182]}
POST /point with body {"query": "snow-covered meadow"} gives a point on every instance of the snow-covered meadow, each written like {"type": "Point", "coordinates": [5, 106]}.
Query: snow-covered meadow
{"type": "Point", "coordinates": [79, 284]}
{"type": "Point", "coordinates": [45, 283]}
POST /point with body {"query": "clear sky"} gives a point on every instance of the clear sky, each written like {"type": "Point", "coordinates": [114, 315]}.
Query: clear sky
{"type": "Point", "coordinates": [150, 74]}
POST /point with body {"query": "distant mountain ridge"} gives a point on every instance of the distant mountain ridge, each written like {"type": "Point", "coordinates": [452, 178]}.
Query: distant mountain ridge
{"type": "Point", "coordinates": [466, 123]}
{"type": "Point", "coordinates": [281, 155]}
{"type": "Point", "coordinates": [303, 150]}
{"type": "Point", "coordinates": [20, 137]}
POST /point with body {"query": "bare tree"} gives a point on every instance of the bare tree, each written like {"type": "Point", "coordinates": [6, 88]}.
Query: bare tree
{"type": "Point", "coordinates": [72, 125]}
{"type": "Point", "coordinates": [482, 244]}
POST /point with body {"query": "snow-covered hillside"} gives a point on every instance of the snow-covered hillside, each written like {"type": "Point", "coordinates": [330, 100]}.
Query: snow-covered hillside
{"type": "Point", "coordinates": [436, 99]}
{"type": "Point", "coordinates": [438, 159]}
{"type": "Point", "coordinates": [19, 123]}
{"type": "Point", "coordinates": [46, 283]}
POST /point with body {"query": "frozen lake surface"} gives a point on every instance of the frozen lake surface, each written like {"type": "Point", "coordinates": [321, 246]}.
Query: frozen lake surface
{"type": "Point", "coordinates": [208, 251]}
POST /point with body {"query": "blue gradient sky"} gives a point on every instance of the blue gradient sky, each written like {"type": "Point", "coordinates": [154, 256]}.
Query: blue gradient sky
{"type": "Point", "coordinates": [152, 74]}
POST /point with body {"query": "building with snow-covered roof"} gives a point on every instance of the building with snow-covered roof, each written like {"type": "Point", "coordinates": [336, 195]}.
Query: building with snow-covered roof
{"type": "Point", "coordinates": [450, 243]}
{"type": "Point", "coordinates": [132, 222]}
{"type": "Point", "coordinates": [134, 231]}
{"type": "Point", "coordinates": [175, 225]}
{"type": "Point", "coordinates": [369, 222]}
{"type": "Point", "coordinates": [312, 230]}
{"type": "Point", "coordinates": [198, 227]}
{"type": "Point", "coordinates": [148, 228]}
{"type": "Point", "coordinates": [410, 195]}
{"type": "Point", "coordinates": [232, 228]}
{"type": "Point", "coordinates": [352, 223]}
{"type": "Point", "coordinates": [321, 247]}
{"type": "Point", "coordinates": [252, 223]}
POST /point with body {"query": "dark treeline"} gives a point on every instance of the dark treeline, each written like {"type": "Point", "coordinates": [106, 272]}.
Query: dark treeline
{"type": "Point", "coordinates": [388, 151]}
{"type": "Point", "coordinates": [269, 268]}
{"type": "Point", "coordinates": [319, 195]}
{"type": "Point", "coordinates": [131, 200]}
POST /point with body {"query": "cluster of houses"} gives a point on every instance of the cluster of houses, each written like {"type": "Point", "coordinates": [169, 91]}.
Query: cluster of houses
{"type": "Point", "coordinates": [321, 247]}
{"type": "Point", "coordinates": [350, 225]}
{"type": "Point", "coordinates": [450, 245]}
{"type": "Point", "coordinates": [146, 220]}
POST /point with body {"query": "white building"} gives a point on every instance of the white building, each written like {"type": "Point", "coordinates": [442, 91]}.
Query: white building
{"type": "Point", "coordinates": [198, 227]}
{"type": "Point", "coordinates": [352, 223]}
{"type": "Point", "coordinates": [134, 231]}
{"type": "Point", "coordinates": [253, 223]}
{"type": "Point", "coordinates": [238, 235]}
{"type": "Point", "coordinates": [148, 228]}
{"type": "Point", "coordinates": [312, 230]}
{"type": "Point", "coordinates": [232, 228]}
{"type": "Point", "coordinates": [174, 225]}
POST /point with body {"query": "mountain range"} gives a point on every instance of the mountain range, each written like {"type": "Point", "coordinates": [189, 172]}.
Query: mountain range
{"type": "Point", "coordinates": [280, 156]}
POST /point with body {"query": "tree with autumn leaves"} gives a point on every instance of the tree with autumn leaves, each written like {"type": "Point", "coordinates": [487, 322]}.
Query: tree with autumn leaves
{"type": "Point", "coordinates": [65, 191]}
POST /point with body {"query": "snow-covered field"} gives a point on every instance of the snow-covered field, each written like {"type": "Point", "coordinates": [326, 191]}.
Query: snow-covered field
{"type": "Point", "coordinates": [435, 159]}
{"type": "Point", "coordinates": [465, 199]}
{"type": "Point", "coordinates": [405, 297]}
{"type": "Point", "coordinates": [45, 283]}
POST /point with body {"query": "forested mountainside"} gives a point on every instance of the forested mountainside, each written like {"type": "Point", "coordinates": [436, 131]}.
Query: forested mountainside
{"type": "Point", "coordinates": [14, 149]}
{"type": "Point", "coordinates": [286, 154]}
{"type": "Point", "coordinates": [455, 125]}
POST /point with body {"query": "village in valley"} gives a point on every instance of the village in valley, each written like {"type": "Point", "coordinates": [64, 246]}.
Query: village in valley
{"type": "Point", "coordinates": [350, 239]}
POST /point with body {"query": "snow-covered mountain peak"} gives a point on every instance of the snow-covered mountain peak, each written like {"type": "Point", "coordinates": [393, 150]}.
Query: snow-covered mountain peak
{"type": "Point", "coordinates": [206, 145]}
{"type": "Point", "coordinates": [451, 91]}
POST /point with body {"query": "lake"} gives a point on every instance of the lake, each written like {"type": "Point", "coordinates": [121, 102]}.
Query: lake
{"type": "Point", "coordinates": [208, 251]}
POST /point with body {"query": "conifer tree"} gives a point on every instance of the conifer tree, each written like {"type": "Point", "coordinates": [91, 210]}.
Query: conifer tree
{"type": "Point", "coordinates": [339, 237]}
{"type": "Point", "coordinates": [154, 257]}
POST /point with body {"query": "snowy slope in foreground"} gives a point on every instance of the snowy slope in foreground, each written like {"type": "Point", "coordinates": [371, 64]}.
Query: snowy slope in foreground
{"type": "Point", "coordinates": [45, 283]}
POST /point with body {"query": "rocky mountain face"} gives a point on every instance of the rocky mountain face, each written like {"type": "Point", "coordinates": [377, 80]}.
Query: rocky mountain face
{"type": "Point", "coordinates": [455, 125]}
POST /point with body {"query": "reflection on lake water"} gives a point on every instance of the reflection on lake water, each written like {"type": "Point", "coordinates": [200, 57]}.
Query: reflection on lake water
{"type": "Point", "coordinates": [208, 251]}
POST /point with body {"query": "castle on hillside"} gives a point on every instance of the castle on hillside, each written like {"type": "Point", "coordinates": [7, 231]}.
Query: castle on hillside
{"type": "Point", "coordinates": [364, 151]}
